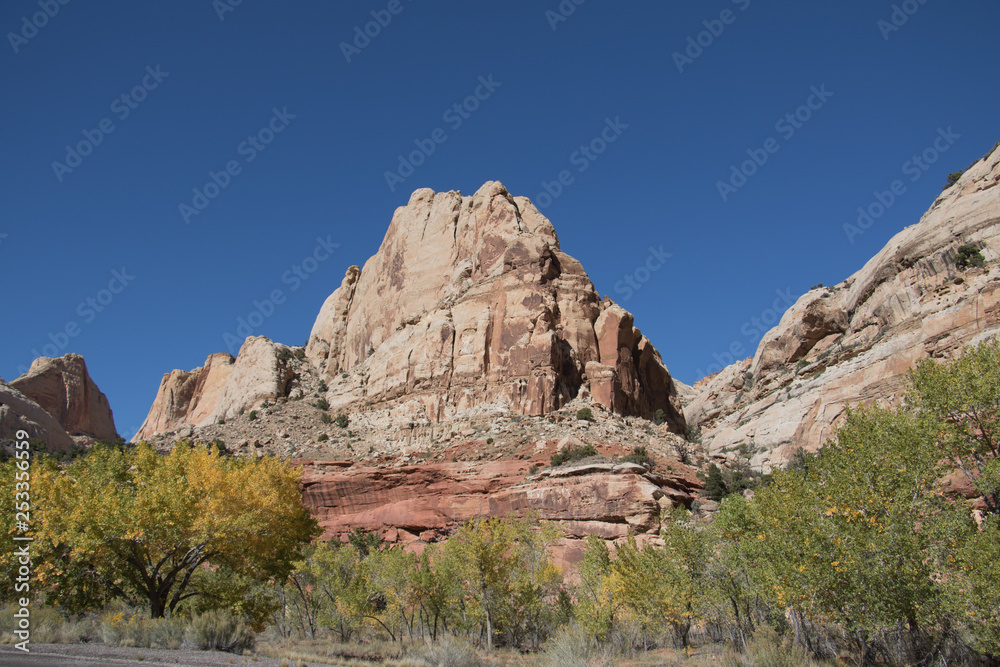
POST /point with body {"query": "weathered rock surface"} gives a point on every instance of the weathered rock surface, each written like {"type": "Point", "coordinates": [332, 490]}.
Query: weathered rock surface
{"type": "Point", "coordinates": [63, 388]}
{"type": "Point", "coordinates": [262, 371]}
{"type": "Point", "coordinates": [18, 412]}
{"type": "Point", "coordinates": [854, 342]}
{"type": "Point", "coordinates": [425, 502]}
{"type": "Point", "coordinates": [469, 301]}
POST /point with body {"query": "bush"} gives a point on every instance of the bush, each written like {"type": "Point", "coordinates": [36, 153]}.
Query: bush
{"type": "Point", "coordinates": [323, 404]}
{"type": "Point", "coordinates": [220, 631]}
{"type": "Point", "coordinates": [489, 441]}
{"type": "Point", "coordinates": [660, 417]}
{"type": "Point", "coordinates": [300, 353]}
{"type": "Point", "coordinates": [533, 469]}
{"type": "Point", "coordinates": [640, 456]}
{"type": "Point", "coordinates": [572, 454]}
{"type": "Point", "coordinates": [326, 418]}
{"type": "Point", "coordinates": [322, 386]}
{"type": "Point", "coordinates": [449, 652]}
{"type": "Point", "coordinates": [323, 437]}
{"type": "Point", "coordinates": [585, 414]}
{"type": "Point", "coordinates": [571, 647]}
{"type": "Point", "coordinates": [969, 256]}
{"type": "Point", "coordinates": [342, 420]}
{"type": "Point", "coordinates": [953, 178]}
{"type": "Point", "coordinates": [252, 416]}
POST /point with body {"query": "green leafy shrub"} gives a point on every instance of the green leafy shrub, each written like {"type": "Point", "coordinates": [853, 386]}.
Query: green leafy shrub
{"type": "Point", "coordinates": [342, 420]}
{"type": "Point", "coordinates": [572, 454]}
{"type": "Point", "coordinates": [660, 417]}
{"type": "Point", "coordinates": [322, 404]}
{"type": "Point", "coordinates": [585, 414]}
{"type": "Point", "coordinates": [323, 437]}
{"type": "Point", "coordinates": [252, 416]}
{"type": "Point", "coordinates": [969, 256]}
{"type": "Point", "coordinates": [326, 418]}
{"type": "Point", "coordinates": [322, 386]}
{"type": "Point", "coordinates": [640, 456]}
{"type": "Point", "coordinates": [220, 631]}
{"type": "Point", "coordinates": [489, 441]}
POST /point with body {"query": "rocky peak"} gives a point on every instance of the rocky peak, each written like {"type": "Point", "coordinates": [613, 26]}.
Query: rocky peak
{"type": "Point", "coordinates": [468, 301]}
{"type": "Point", "coordinates": [64, 389]}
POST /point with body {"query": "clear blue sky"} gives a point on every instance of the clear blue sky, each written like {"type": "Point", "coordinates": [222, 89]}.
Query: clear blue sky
{"type": "Point", "coordinates": [63, 233]}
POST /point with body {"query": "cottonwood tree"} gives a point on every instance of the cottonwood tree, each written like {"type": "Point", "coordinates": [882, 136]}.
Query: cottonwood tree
{"type": "Point", "coordinates": [161, 530]}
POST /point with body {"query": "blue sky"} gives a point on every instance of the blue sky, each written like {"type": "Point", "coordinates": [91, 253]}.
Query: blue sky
{"type": "Point", "coordinates": [884, 82]}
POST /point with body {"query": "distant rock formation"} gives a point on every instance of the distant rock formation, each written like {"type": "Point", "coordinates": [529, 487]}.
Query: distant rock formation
{"type": "Point", "coordinates": [220, 389]}
{"type": "Point", "coordinates": [469, 300]}
{"type": "Point", "coordinates": [63, 388]}
{"type": "Point", "coordinates": [18, 412]}
{"type": "Point", "coordinates": [854, 342]}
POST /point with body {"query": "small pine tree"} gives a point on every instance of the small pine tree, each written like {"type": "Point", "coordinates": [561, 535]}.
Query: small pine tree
{"type": "Point", "coordinates": [968, 256]}
{"type": "Point", "coordinates": [715, 484]}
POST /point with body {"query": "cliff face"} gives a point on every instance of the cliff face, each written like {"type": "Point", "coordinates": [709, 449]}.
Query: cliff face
{"type": "Point", "coordinates": [854, 342]}
{"type": "Point", "coordinates": [64, 389]}
{"type": "Point", "coordinates": [220, 389]}
{"type": "Point", "coordinates": [469, 304]}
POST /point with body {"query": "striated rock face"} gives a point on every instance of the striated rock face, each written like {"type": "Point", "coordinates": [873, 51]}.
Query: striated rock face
{"type": "Point", "coordinates": [424, 503]}
{"type": "Point", "coordinates": [469, 301]}
{"type": "Point", "coordinates": [63, 388]}
{"type": "Point", "coordinates": [18, 412]}
{"type": "Point", "coordinates": [220, 388]}
{"type": "Point", "coordinates": [854, 342]}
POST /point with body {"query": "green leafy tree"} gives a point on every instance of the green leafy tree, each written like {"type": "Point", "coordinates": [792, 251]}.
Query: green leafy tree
{"type": "Point", "coordinates": [962, 397]}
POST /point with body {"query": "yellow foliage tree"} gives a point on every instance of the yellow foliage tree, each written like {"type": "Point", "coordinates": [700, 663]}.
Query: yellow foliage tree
{"type": "Point", "coordinates": [159, 530]}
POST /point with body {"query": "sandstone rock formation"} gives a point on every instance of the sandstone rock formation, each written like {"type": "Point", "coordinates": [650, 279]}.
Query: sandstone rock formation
{"type": "Point", "coordinates": [854, 342]}
{"type": "Point", "coordinates": [221, 388]}
{"type": "Point", "coordinates": [64, 389]}
{"type": "Point", "coordinates": [18, 412]}
{"type": "Point", "coordinates": [468, 301]}
{"type": "Point", "coordinates": [417, 504]}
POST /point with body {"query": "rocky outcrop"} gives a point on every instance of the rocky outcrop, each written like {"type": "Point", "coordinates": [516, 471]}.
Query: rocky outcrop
{"type": "Point", "coordinates": [426, 502]}
{"type": "Point", "coordinates": [854, 342]}
{"type": "Point", "coordinates": [63, 388]}
{"type": "Point", "coordinates": [220, 389]}
{"type": "Point", "coordinates": [470, 301]}
{"type": "Point", "coordinates": [18, 412]}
